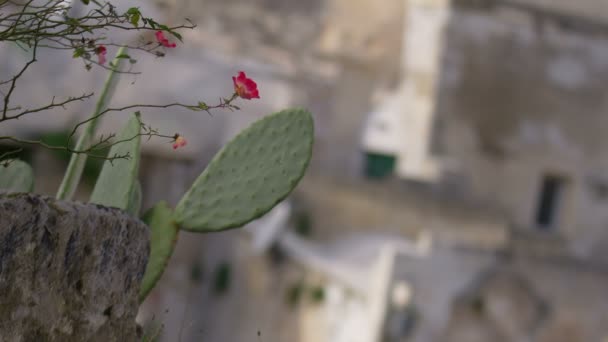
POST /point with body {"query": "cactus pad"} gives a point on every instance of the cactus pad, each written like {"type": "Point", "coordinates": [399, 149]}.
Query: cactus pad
{"type": "Point", "coordinates": [17, 176]}
{"type": "Point", "coordinates": [163, 235]}
{"type": "Point", "coordinates": [251, 174]}
{"type": "Point", "coordinates": [134, 205]}
{"type": "Point", "coordinates": [117, 179]}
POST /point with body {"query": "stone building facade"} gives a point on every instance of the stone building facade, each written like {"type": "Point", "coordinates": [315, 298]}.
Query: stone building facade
{"type": "Point", "coordinates": [485, 120]}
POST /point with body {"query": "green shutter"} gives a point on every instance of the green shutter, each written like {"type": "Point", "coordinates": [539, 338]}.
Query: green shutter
{"type": "Point", "coordinates": [379, 165]}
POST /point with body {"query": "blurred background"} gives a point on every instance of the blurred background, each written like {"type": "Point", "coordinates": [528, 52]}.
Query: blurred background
{"type": "Point", "coordinates": [458, 190]}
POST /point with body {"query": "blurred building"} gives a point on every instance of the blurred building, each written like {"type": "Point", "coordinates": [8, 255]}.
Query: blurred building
{"type": "Point", "coordinates": [477, 123]}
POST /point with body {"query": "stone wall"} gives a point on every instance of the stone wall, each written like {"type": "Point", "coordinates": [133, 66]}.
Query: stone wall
{"type": "Point", "coordinates": [521, 98]}
{"type": "Point", "coordinates": [531, 299]}
{"type": "Point", "coordinates": [341, 208]}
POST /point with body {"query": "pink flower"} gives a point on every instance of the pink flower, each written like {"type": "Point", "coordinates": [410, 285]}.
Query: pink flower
{"type": "Point", "coordinates": [245, 87]}
{"type": "Point", "coordinates": [179, 142]}
{"type": "Point", "coordinates": [101, 51]}
{"type": "Point", "coordinates": [160, 36]}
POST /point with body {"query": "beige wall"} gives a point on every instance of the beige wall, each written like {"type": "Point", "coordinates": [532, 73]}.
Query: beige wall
{"type": "Point", "coordinates": [522, 96]}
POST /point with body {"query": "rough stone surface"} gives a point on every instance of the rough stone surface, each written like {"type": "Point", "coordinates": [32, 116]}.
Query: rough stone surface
{"type": "Point", "coordinates": [68, 271]}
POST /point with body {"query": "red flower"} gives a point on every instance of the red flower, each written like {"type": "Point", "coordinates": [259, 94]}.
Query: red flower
{"type": "Point", "coordinates": [179, 142]}
{"type": "Point", "coordinates": [245, 87]}
{"type": "Point", "coordinates": [101, 51]}
{"type": "Point", "coordinates": [160, 36]}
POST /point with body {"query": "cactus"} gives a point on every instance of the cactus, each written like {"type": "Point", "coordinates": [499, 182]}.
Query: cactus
{"type": "Point", "coordinates": [17, 176]}
{"type": "Point", "coordinates": [250, 175]}
{"type": "Point", "coordinates": [247, 178]}
{"type": "Point", "coordinates": [162, 242]}
{"type": "Point", "coordinates": [134, 205]}
{"type": "Point", "coordinates": [117, 179]}
{"type": "Point", "coordinates": [77, 161]}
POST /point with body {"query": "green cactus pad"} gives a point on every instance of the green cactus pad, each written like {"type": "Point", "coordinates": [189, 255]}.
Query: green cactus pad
{"type": "Point", "coordinates": [134, 205]}
{"type": "Point", "coordinates": [117, 178]}
{"type": "Point", "coordinates": [163, 235]}
{"type": "Point", "coordinates": [251, 174]}
{"type": "Point", "coordinates": [17, 176]}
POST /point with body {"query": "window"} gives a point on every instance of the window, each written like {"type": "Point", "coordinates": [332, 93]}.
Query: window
{"type": "Point", "coordinates": [379, 166]}
{"type": "Point", "coordinates": [551, 195]}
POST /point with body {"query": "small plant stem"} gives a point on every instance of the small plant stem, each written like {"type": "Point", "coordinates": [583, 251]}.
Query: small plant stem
{"type": "Point", "coordinates": [77, 161]}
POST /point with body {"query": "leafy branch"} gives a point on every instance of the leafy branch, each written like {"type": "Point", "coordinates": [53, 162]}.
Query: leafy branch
{"type": "Point", "coordinates": [33, 25]}
{"type": "Point", "coordinates": [200, 106]}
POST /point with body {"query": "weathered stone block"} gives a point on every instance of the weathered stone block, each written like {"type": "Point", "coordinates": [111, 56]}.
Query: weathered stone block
{"type": "Point", "coordinates": [68, 271]}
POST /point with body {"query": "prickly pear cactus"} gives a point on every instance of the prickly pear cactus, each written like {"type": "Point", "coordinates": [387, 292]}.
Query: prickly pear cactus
{"type": "Point", "coordinates": [163, 236]}
{"type": "Point", "coordinates": [134, 205]}
{"type": "Point", "coordinates": [251, 174]}
{"type": "Point", "coordinates": [17, 176]}
{"type": "Point", "coordinates": [117, 179]}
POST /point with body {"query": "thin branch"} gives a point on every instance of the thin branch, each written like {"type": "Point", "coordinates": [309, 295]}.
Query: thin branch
{"type": "Point", "coordinates": [14, 81]}
{"type": "Point", "coordinates": [102, 144]}
{"type": "Point", "coordinates": [224, 103]}
{"type": "Point", "coordinates": [49, 106]}
{"type": "Point", "coordinates": [4, 160]}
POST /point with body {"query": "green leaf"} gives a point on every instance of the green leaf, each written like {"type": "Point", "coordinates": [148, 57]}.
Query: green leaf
{"type": "Point", "coordinates": [250, 175]}
{"type": "Point", "coordinates": [78, 52]}
{"type": "Point", "coordinates": [133, 11]}
{"type": "Point", "coordinates": [163, 232]}
{"type": "Point", "coordinates": [118, 177]}
{"type": "Point", "coordinates": [176, 35]}
{"type": "Point", "coordinates": [135, 19]}
{"type": "Point", "coordinates": [124, 55]}
{"type": "Point", "coordinates": [86, 2]}
{"type": "Point", "coordinates": [72, 22]}
{"type": "Point", "coordinates": [153, 24]}
{"type": "Point", "coordinates": [17, 176]}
